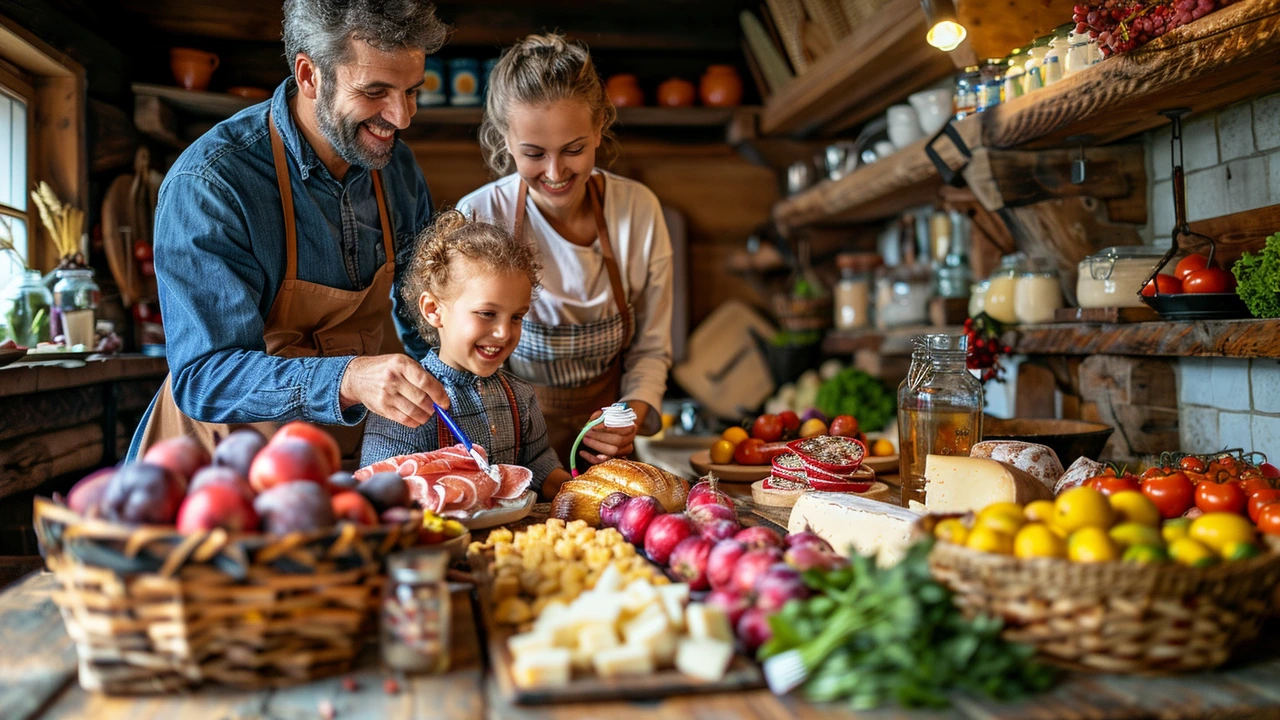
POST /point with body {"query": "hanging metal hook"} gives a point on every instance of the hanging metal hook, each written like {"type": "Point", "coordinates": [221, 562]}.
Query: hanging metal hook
{"type": "Point", "coordinates": [1079, 166]}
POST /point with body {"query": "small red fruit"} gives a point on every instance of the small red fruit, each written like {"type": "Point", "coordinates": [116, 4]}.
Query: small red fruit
{"type": "Point", "coordinates": [1260, 498]}
{"type": "Point", "coordinates": [1209, 280]}
{"type": "Point", "coordinates": [317, 437]}
{"type": "Point", "coordinates": [353, 507]}
{"type": "Point", "coordinates": [1166, 284]}
{"type": "Point", "coordinates": [749, 452]}
{"type": "Point", "coordinates": [1190, 264]}
{"type": "Point", "coordinates": [790, 422]}
{"type": "Point", "coordinates": [216, 506]}
{"type": "Point", "coordinates": [1220, 497]}
{"type": "Point", "coordinates": [767, 428]}
{"type": "Point", "coordinates": [285, 461]}
{"type": "Point", "coordinates": [843, 426]}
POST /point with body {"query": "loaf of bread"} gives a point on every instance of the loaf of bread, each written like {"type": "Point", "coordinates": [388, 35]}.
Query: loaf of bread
{"type": "Point", "coordinates": [579, 499]}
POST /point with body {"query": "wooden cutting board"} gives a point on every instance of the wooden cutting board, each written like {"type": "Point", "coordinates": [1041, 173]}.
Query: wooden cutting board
{"type": "Point", "coordinates": [743, 674]}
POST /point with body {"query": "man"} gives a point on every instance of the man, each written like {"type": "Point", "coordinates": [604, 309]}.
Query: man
{"type": "Point", "coordinates": [282, 234]}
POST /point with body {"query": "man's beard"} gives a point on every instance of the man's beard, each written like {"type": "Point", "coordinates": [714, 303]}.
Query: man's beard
{"type": "Point", "coordinates": [343, 133]}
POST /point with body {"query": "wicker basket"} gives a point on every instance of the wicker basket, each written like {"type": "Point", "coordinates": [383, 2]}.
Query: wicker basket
{"type": "Point", "coordinates": [151, 610]}
{"type": "Point", "coordinates": [1115, 617]}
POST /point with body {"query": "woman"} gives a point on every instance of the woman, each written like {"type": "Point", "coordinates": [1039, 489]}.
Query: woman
{"type": "Point", "coordinates": [600, 330]}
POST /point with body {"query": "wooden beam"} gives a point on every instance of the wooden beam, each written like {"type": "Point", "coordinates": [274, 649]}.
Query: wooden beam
{"type": "Point", "coordinates": [32, 460]}
{"type": "Point", "coordinates": [1009, 178]}
{"type": "Point", "coordinates": [154, 118]}
{"type": "Point", "coordinates": [864, 73]}
{"type": "Point", "coordinates": [1235, 234]}
{"type": "Point", "coordinates": [1200, 338]}
{"type": "Point", "coordinates": [1225, 57]}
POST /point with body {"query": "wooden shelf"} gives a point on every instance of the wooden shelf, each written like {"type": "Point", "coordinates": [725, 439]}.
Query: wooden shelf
{"type": "Point", "coordinates": [1226, 57]}
{"type": "Point", "coordinates": [1212, 338]}
{"type": "Point", "coordinates": [195, 102]}
{"type": "Point", "coordinates": [895, 342]}
{"type": "Point", "coordinates": [882, 61]}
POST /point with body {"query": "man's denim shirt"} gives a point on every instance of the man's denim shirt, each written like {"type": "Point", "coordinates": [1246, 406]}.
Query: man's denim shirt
{"type": "Point", "coordinates": [220, 260]}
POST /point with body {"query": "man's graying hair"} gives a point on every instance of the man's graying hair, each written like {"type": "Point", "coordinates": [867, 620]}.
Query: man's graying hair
{"type": "Point", "coordinates": [323, 29]}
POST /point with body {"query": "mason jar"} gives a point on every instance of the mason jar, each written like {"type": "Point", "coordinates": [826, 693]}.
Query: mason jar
{"type": "Point", "coordinates": [939, 408]}
{"type": "Point", "coordinates": [27, 306]}
{"type": "Point", "coordinates": [415, 612]}
{"type": "Point", "coordinates": [75, 298]}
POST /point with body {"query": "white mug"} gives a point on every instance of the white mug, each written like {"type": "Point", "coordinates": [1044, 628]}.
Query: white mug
{"type": "Point", "coordinates": [934, 107]}
{"type": "Point", "coordinates": [904, 125]}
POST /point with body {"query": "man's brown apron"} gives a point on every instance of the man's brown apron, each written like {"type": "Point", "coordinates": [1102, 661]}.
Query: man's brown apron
{"type": "Point", "coordinates": [306, 320]}
{"type": "Point", "coordinates": [566, 410]}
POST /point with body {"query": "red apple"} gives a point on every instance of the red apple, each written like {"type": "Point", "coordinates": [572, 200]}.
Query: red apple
{"type": "Point", "coordinates": [86, 494]}
{"type": "Point", "coordinates": [689, 561]}
{"type": "Point", "coordinates": [214, 475]}
{"type": "Point", "coordinates": [721, 562]}
{"type": "Point", "coordinates": [731, 603]}
{"type": "Point", "coordinates": [285, 461]}
{"type": "Point", "coordinates": [753, 629]}
{"type": "Point", "coordinates": [843, 426]}
{"type": "Point", "coordinates": [759, 537]}
{"type": "Point", "coordinates": [316, 437]}
{"type": "Point", "coordinates": [706, 493]}
{"type": "Point", "coordinates": [216, 506]}
{"type": "Point", "coordinates": [182, 455]}
{"type": "Point", "coordinates": [636, 516]}
{"type": "Point", "coordinates": [353, 507]}
{"type": "Point", "coordinates": [751, 566]}
{"type": "Point", "coordinates": [664, 533]}
{"type": "Point", "coordinates": [777, 585]}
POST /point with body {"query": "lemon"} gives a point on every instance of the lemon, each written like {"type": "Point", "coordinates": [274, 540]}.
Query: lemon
{"type": "Point", "coordinates": [1133, 506]}
{"type": "Point", "coordinates": [1004, 516]}
{"type": "Point", "coordinates": [1240, 551]}
{"type": "Point", "coordinates": [1145, 554]}
{"type": "Point", "coordinates": [951, 530]}
{"type": "Point", "coordinates": [1039, 511]}
{"type": "Point", "coordinates": [1192, 553]}
{"type": "Point", "coordinates": [984, 539]}
{"type": "Point", "coordinates": [1132, 533]}
{"type": "Point", "coordinates": [1082, 507]}
{"type": "Point", "coordinates": [734, 435]}
{"type": "Point", "coordinates": [1219, 528]}
{"type": "Point", "coordinates": [722, 452]}
{"type": "Point", "coordinates": [1175, 529]}
{"type": "Point", "coordinates": [1037, 540]}
{"type": "Point", "coordinates": [1091, 544]}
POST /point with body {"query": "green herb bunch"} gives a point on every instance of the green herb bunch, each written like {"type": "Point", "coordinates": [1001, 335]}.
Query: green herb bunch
{"type": "Point", "coordinates": [875, 635]}
{"type": "Point", "coordinates": [1258, 279]}
{"type": "Point", "coordinates": [865, 397]}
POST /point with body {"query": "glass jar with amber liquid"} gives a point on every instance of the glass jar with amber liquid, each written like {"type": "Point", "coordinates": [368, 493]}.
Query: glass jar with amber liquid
{"type": "Point", "coordinates": [939, 408]}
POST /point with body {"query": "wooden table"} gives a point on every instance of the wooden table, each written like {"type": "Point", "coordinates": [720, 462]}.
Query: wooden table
{"type": "Point", "coordinates": [38, 680]}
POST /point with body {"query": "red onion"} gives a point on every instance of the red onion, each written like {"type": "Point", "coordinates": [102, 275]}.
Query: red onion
{"type": "Point", "coordinates": [753, 629]}
{"type": "Point", "coordinates": [809, 557]}
{"type": "Point", "coordinates": [750, 567]}
{"type": "Point", "coordinates": [720, 530]}
{"type": "Point", "coordinates": [611, 509]}
{"type": "Point", "coordinates": [689, 561]}
{"type": "Point", "coordinates": [636, 516]}
{"type": "Point", "coordinates": [664, 533]}
{"type": "Point", "coordinates": [805, 538]}
{"type": "Point", "coordinates": [705, 493]}
{"type": "Point", "coordinates": [703, 515]}
{"type": "Point", "coordinates": [759, 537]}
{"type": "Point", "coordinates": [724, 557]}
{"type": "Point", "coordinates": [779, 584]}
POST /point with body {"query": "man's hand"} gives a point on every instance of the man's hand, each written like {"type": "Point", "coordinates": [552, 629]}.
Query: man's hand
{"type": "Point", "coordinates": [393, 386]}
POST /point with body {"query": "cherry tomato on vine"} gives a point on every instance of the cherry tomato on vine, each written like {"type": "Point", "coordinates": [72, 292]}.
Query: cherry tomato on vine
{"type": "Point", "coordinates": [1173, 494]}
{"type": "Point", "coordinates": [1269, 519]}
{"type": "Point", "coordinates": [1191, 463]}
{"type": "Point", "coordinates": [1220, 497]}
{"type": "Point", "coordinates": [1166, 284]}
{"type": "Point", "coordinates": [1253, 484]}
{"type": "Point", "coordinates": [1111, 484]}
{"type": "Point", "coordinates": [1261, 498]}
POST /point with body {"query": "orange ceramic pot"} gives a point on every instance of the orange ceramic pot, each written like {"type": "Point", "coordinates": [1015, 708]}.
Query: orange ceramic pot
{"type": "Point", "coordinates": [676, 93]}
{"type": "Point", "coordinates": [192, 68]}
{"type": "Point", "coordinates": [623, 91]}
{"type": "Point", "coordinates": [721, 87]}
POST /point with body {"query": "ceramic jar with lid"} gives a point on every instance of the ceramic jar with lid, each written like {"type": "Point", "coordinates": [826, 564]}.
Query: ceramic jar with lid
{"type": "Point", "coordinates": [1114, 276]}
{"type": "Point", "coordinates": [624, 91]}
{"type": "Point", "coordinates": [1037, 292]}
{"type": "Point", "coordinates": [676, 92]}
{"type": "Point", "coordinates": [721, 87]}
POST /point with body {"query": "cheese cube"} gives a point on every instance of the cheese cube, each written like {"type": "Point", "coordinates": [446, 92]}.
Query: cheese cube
{"type": "Point", "coordinates": [551, 615]}
{"type": "Point", "coordinates": [525, 643]}
{"type": "Point", "coordinates": [708, 622]}
{"type": "Point", "coordinates": [623, 660]}
{"type": "Point", "coordinates": [854, 524]}
{"type": "Point", "coordinates": [542, 668]}
{"type": "Point", "coordinates": [595, 637]}
{"type": "Point", "coordinates": [640, 594]}
{"type": "Point", "coordinates": [674, 597]}
{"type": "Point", "coordinates": [964, 484]}
{"type": "Point", "coordinates": [610, 579]}
{"type": "Point", "coordinates": [652, 631]}
{"type": "Point", "coordinates": [664, 648]}
{"type": "Point", "coordinates": [596, 606]}
{"type": "Point", "coordinates": [704, 658]}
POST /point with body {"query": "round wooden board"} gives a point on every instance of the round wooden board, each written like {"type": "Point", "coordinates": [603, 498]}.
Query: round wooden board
{"type": "Point", "coordinates": [701, 463]}
{"type": "Point", "coordinates": [782, 498]}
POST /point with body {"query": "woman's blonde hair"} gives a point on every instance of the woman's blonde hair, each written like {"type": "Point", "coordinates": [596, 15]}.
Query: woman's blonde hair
{"type": "Point", "coordinates": [538, 70]}
{"type": "Point", "coordinates": [452, 236]}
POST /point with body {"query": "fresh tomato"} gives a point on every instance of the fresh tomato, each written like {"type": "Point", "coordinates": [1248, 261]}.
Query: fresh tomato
{"type": "Point", "coordinates": [767, 428]}
{"type": "Point", "coordinates": [1173, 494]}
{"type": "Point", "coordinates": [1190, 264]}
{"type": "Point", "coordinates": [1269, 471]}
{"type": "Point", "coordinates": [722, 452]}
{"type": "Point", "coordinates": [748, 452]}
{"type": "Point", "coordinates": [1269, 519]}
{"type": "Point", "coordinates": [1191, 463]}
{"type": "Point", "coordinates": [790, 423]}
{"type": "Point", "coordinates": [1224, 497]}
{"type": "Point", "coordinates": [1251, 485]}
{"type": "Point", "coordinates": [844, 426]}
{"type": "Point", "coordinates": [1166, 284]}
{"type": "Point", "coordinates": [1260, 498]}
{"type": "Point", "coordinates": [1209, 280]}
{"type": "Point", "coordinates": [1110, 484]}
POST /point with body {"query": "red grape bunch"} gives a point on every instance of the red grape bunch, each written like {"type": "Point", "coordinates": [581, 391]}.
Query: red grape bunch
{"type": "Point", "coordinates": [984, 347]}
{"type": "Point", "coordinates": [1122, 25]}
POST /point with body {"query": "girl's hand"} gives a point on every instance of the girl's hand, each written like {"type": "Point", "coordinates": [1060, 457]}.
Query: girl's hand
{"type": "Point", "coordinates": [610, 442]}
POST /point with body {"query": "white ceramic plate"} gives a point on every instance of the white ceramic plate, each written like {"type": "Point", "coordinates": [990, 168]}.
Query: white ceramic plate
{"type": "Point", "coordinates": [514, 510]}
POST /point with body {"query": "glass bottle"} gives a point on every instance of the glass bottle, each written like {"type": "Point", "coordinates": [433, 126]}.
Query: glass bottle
{"type": "Point", "coordinates": [939, 408]}
{"type": "Point", "coordinates": [853, 290]}
{"type": "Point", "coordinates": [967, 85]}
{"type": "Point", "coordinates": [415, 612]}
{"type": "Point", "coordinates": [27, 306]}
{"type": "Point", "coordinates": [75, 298]}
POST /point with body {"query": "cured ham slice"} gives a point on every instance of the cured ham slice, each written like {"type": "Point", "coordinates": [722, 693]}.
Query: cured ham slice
{"type": "Point", "coordinates": [448, 481]}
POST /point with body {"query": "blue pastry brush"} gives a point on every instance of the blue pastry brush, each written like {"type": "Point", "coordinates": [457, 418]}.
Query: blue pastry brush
{"type": "Point", "coordinates": [483, 464]}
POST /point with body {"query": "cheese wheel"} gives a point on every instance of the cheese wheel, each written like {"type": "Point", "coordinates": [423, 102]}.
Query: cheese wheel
{"type": "Point", "coordinates": [968, 484]}
{"type": "Point", "coordinates": [1082, 469]}
{"type": "Point", "coordinates": [1038, 461]}
{"type": "Point", "coordinates": [854, 524]}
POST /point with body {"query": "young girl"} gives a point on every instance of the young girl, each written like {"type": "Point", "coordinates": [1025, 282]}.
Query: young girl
{"type": "Point", "coordinates": [472, 284]}
{"type": "Point", "coordinates": [600, 330]}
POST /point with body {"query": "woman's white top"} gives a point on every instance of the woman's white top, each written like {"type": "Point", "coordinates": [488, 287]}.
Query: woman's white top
{"type": "Point", "coordinates": [575, 284]}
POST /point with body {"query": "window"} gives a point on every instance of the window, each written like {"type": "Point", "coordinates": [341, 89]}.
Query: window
{"type": "Point", "coordinates": [15, 159]}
